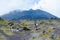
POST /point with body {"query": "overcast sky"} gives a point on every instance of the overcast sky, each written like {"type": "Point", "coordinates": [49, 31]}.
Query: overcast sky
{"type": "Point", "coordinates": [51, 6]}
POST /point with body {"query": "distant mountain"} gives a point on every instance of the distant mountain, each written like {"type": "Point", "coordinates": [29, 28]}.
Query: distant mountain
{"type": "Point", "coordinates": [28, 14]}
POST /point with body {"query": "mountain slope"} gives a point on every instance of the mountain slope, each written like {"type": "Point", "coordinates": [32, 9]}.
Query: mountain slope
{"type": "Point", "coordinates": [28, 14]}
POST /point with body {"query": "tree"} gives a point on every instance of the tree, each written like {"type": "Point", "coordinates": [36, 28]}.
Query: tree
{"type": "Point", "coordinates": [1, 19]}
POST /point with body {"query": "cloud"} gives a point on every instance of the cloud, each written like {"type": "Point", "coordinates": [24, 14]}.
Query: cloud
{"type": "Point", "coordinates": [51, 6]}
{"type": "Point", "coordinates": [38, 6]}
{"type": "Point", "coordinates": [9, 5]}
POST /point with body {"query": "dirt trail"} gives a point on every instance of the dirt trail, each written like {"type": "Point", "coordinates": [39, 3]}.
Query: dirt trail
{"type": "Point", "coordinates": [17, 36]}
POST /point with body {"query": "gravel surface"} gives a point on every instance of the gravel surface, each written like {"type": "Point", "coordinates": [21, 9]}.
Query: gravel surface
{"type": "Point", "coordinates": [17, 36]}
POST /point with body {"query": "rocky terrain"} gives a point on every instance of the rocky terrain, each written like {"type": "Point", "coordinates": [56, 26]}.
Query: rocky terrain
{"type": "Point", "coordinates": [30, 30]}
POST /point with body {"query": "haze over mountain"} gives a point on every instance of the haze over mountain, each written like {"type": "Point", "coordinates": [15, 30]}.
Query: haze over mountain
{"type": "Point", "coordinates": [51, 6]}
{"type": "Point", "coordinates": [28, 14]}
